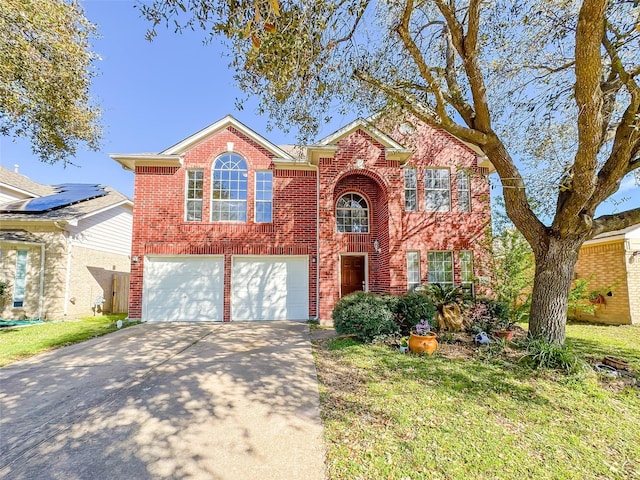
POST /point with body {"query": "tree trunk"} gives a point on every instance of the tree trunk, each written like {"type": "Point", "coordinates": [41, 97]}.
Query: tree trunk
{"type": "Point", "coordinates": [551, 286]}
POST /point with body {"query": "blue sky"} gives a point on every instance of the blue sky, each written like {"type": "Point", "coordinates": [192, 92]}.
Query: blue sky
{"type": "Point", "coordinates": [154, 94]}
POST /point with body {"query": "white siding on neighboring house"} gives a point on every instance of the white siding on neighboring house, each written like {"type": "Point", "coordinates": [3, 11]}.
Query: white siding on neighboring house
{"type": "Point", "coordinates": [106, 231]}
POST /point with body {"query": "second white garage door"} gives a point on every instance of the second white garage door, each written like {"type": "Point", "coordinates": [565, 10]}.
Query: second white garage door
{"type": "Point", "coordinates": [183, 288]}
{"type": "Point", "coordinates": [270, 288]}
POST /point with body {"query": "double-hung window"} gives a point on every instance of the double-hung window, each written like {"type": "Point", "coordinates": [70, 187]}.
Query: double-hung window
{"type": "Point", "coordinates": [193, 206]}
{"type": "Point", "coordinates": [413, 270]}
{"type": "Point", "coordinates": [466, 271]}
{"type": "Point", "coordinates": [437, 190]}
{"type": "Point", "coordinates": [410, 190]}
{"type": "Point", "coordinates": [440, 266]}
{"type": "Point", "coordinates": [20, 279]}
{"type": "Point", "coordinates": [264, 197]}
{"type": "Point", "coordinates": [229, 189]}
{"type": "Point", "coordinates": [464, 191]}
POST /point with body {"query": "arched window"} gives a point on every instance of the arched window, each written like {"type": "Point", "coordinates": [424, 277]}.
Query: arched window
{"type": "Point", "coordinates": [352, 214]}
{"type": "Point", "coordinates": [229, 189]}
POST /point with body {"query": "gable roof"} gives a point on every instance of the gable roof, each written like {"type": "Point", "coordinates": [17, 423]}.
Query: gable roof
{"type": "Point", "coordinates": [173, 155]}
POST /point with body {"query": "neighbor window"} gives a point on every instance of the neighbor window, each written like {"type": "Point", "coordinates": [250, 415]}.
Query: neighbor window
{"type": "Point", "coordinates": [466, 271]}
{"type": "Point", "coordinates": [413, 270]}
{"type": "Point", "coordinates": [352, 214]}
{"type": "Point", "coordinates": [410, 190]}
{"type": "Point", "coordinates": [440, 266]}
{"type": "Point", "coordinates": [437, 190]}
{"type": "Point", "coordinates": [464, 191]}
{"type": "Point", "coordinates": [20, 279]}
{"type": "Point", "coordinates": [264, 197]}
{"type": "Point", "coordinates": [229, 189]}
{"type": "Point", "coordinates": [193, 207]}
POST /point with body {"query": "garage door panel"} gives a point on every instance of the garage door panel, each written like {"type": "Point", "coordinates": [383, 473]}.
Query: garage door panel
{"type": "Point", "coordinates": [183, 288]}
{"type": "Point", "coordinates": [270, 288]}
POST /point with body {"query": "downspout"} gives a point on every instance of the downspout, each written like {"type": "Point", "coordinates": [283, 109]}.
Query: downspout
{"type": "Point", "coordinates": [67, 281]}
{"type": "Point", "coordinates": [41, 296]}
{"type": "Point", "coordinates": [317, 243]}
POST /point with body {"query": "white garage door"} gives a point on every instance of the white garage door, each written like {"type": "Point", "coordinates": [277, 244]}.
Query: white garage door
{"type": "Point", "coordinates": [183, 288]}
{"type": "Point", "coordinates": [270, 288]}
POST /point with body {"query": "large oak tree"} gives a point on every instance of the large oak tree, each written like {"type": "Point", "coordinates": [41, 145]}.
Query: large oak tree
{"type": "Point", "coordinates": [552, 83]}
{"type": "Point", "coordinates": [46, 68]}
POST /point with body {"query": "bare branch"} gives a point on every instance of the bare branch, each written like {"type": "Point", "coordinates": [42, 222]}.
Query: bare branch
{"type": "Point", "coordinates": [618, 221]}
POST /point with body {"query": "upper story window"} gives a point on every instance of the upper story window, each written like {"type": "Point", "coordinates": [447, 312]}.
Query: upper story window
{"type": "Point", "coordinates": [464, 191]}
{"type": "Point", "coordinates": [264, 197]}
{"type": "Point", "coordinates": [437, 190]}
{"type": "Point", "coordinates": [229, 189]}
{"type": "Point", "coordinates": [410, 190]}
{"type": "Point", "coordinates": [352, 214]}
{"type": "Point", "coordinates": [193, 205]}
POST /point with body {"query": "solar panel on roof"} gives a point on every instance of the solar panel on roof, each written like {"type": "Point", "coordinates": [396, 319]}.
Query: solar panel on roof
{"type": "Point", "coordinates": [66, 194]}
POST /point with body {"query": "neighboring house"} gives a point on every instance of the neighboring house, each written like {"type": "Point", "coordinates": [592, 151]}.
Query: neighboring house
{"type": "Point", "coordinates": [611, 264]}
{"type": "Point", "coordinates": [228, 226]}
{"type": "Point", "coordinates": [62, 249]}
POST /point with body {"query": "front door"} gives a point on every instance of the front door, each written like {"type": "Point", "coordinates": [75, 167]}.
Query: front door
{"type": "Point", "coordinates": [352, 274]}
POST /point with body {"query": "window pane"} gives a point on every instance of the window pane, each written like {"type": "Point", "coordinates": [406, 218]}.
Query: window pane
{"type": "Point", "coordinates": [413, 270]}
{"type": "Point", "coordinates": [229, 189]}
{"type": "Point", "coordinates": [352, 214]}
{"type": "Point", "coordinates": [464, 191]}
{"type": "Point", "coordinates": [195, 183]}
{"type": "Point", "coordinates": [440, 268]}
{"type": "Point", "coordinates": [410, 190]}
{"type": "Point", "coordinates": [437, 190]}
{"type": "Point", "coordinates": [263, 197]}
{"type": "Point", "coordinates": [20, 279]}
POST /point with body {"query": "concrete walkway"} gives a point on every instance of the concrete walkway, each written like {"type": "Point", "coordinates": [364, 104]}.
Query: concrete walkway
{"type": "Point", "coordinates": [155, 401]}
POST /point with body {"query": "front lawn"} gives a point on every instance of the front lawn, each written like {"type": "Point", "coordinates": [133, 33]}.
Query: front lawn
{"type": "Point", "coordinates": [17, 343]}
{"type": "Point", "coordinates": [394, 416]}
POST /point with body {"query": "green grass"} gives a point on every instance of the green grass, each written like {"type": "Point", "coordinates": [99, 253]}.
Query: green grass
{"type": "Point", "coordinates": [17, 343]}
{"type": "Point", "coordinates": [389, 415]}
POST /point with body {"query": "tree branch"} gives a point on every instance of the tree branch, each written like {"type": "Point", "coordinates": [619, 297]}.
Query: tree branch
{"type": "Point", "coordinates": [618, 221]}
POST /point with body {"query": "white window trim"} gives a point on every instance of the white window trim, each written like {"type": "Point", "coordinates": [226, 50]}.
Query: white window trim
{"type": "Point", "coordinates": [429, 269]}
{"type": "Point", "coordinates": [335, 212]}
{"type": "Point", "coordinates": [187, 199]}
{"type": "Point", "coordinates": [464, 282]}
{"type": "Point", "coordinates": [447, 189]}
{"type": "Point", "coordinates": [464, 173]}
{"type": "Point", "coordinates": [255, 196]}
{"type": "Point", "coordinates": [23, 283]}
{"type": "Point", "coordinates": [414, 189]}
{"type": "Point", "coordinates": [412, 286]}
{"type": "Point", "coordinates": [214, 201]}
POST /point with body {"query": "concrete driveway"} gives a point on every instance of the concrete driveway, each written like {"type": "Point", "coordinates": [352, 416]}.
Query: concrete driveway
{"type": "Point", "coordinates": [155, 401]}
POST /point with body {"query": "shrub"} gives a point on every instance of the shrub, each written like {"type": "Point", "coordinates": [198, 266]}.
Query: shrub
{"type": "Point", "coordinates": [487, 315]}
{"type": "Point", "coordinates": [364, 315]}
{"type": "Point", "coordinates": [543, 354]}
{"type": "Point", "coordinates": [410, 308]}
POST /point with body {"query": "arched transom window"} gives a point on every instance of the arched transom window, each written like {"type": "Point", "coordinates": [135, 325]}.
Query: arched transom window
{"type": "Point", "coordinates": [352, 214]}
{"type": "Point", "coordinates": [229, 189]}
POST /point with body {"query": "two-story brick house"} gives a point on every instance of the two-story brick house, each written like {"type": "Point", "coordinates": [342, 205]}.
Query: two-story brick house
{"type": "Point", "coordinates": [229, 226]}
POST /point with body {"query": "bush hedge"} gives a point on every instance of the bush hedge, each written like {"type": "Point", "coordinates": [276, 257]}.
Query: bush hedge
{"type": "Point", "coordinates": [364, 315]}
{"type": "Point", "coordinates": [410, 308]}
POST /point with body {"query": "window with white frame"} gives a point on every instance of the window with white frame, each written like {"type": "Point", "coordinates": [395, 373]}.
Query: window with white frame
{"type": "Point", "coordinates": [437, 190]}
{"type": "Point", "coordinates": [264, 197]}
{"type": "Point", "coordinates": [410, 190]}
{"type": "Point", "coordinates": [229, 189]}
{"type": "Point", "coordinates": [464, 191]}
{"type": "Point", "coordinates": [193, 206]}
{"type": "Point", "coordinates": [440, 268]}
{"type": "Point", "coordinates": [413, 270]}
{"type": "Point", "coordinates": [466, 271]}
{"type": "Point", "coordinates": [352, 214]}
{"type": "Point", "coordinates": [20, 279]}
